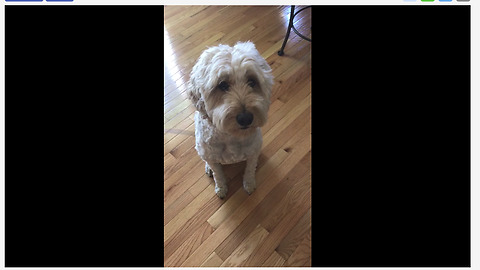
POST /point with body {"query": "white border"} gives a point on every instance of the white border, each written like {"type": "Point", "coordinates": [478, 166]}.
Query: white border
{"type": "Point", "coordinates": [475, 96]}
{"type": "Point", "coordinates": [2, 138]}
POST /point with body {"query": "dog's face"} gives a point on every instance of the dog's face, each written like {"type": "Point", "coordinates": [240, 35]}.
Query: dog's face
{"type": "Point", "coordinates": [232, 87]}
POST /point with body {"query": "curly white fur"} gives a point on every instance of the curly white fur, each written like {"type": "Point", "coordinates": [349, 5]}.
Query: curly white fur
{"type": "Point", "coordinates": [230, 88]}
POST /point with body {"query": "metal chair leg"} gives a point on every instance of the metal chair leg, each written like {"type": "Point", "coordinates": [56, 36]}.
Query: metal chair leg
{"type": "Point", "coordinates": [290, 24]}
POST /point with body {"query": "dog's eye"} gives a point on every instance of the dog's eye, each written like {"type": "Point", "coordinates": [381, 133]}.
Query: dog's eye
{"type": "Point", "coordinates": [223, 86]}
{"type": "Point", "coordinates": [251, 83]}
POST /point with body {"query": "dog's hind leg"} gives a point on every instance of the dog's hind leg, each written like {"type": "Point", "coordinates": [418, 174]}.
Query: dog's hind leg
{"type": "Point", "coordinates": [249, 176]}
{"type": "Point", "coordinates": [208, 171]}
{"type": "Point", "coordinates": [221, 187]}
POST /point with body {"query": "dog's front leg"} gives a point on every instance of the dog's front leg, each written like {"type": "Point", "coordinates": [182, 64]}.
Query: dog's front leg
{"type": "Point", "coordinates": [249, 177]}
{"type": "Point", "coordinates": [221, 187]}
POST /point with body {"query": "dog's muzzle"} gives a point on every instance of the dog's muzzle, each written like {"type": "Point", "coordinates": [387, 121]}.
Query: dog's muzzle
{"type": "Point", "coordinates": [244, 119]}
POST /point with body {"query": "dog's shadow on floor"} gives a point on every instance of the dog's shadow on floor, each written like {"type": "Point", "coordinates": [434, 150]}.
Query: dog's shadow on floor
{"type": "Point", "coordinates": [234, 173]}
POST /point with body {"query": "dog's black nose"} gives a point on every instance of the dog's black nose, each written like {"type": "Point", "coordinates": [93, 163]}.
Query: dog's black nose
{"type": "Point", "coordinates": [245, 118]}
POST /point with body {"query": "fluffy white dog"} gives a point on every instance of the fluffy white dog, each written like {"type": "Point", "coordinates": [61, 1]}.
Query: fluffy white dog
{"type": "Point", "coordinates": [230, 88]}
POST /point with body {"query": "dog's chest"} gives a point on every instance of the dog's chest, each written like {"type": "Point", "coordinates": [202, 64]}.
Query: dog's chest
{"type": "Point", "coordinates": [229, 151]}
{"type": "Point", "coordinates": [233, 152]}
{"type": "Point", "coordinates": [225, 149]}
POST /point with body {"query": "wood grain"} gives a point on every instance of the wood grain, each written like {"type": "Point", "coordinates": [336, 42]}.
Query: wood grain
{"type": "Point", "coordinates": [260, 212]}
{"type": "Point", "coordinates": [288, 244]}
{"type": "Point", "coordinates": [212, 261]}
{"type": "Point", "coordinates": [275, 260]}
{"type": "Point", "coordinates": [246, 248]}
{"type": "Point", "coordinates": [190, 244]}
{"type": "Point", "coordinates": [302, 256]}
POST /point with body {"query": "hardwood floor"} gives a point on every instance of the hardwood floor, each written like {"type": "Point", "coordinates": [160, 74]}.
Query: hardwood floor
{"type": "Point", "coordinates": [271, 227]}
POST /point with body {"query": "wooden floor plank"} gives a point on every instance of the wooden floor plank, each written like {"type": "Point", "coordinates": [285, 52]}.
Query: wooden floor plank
{"type": "Point", "coordinates": [283, 208]}
{"type": "Point", "coordinates": [212, 261]}
{"type": "Point", "coordinates": [189, 227]}
{"type": "Point", "coordinates": [188, 212]}
{"type": "Point", "coordinates": [261, 211]}
{"type": "Point", "coordinates": [234, 220]}
{"type": "Point", "coordinates": [303, 253]}
{"type": "Point", "coordinates": [230, 223]}
{"type": "Point", "coordinates": [284, 114]}
{"type": "Point", "coordinates": [190, 244]}
{"type": "Point", "coordinates": [170, 212]}
{"type": "Point", "coordinates": [246, 248]}
{"type": "Point", "coordinates": [201, 184]}
{"type": "Point", "coordinates": [176, 128]}
{"type": "Point", "coordinates": [291, 241]}
{"type": "Point", "coordinates": [233, 203]}
{"type": "Point", "coordinates": [169, 162]}
{"type": "Point", "coordinates": [178, 160]}
{"type": "Point", "coordinates": [274, 260]}
{"type": "Point", "coordinates": [179, 137]}
{"type": "Point", "coordinates": [174, 191]}
{"type": "Point", "coordinates": [281, 139]}
{"type": "Point", "coordinates": [178, 175]}
{"type": "Point", "coordinates": [183, 147]}
{"type": "Point", "coordinates": [263, 251]}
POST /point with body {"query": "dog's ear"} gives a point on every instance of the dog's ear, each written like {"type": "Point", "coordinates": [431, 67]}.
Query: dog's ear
{"type": "Point", "coordinates": [195, 96]}
{"type": "Point", "coordinates": [264, 68]}
{"type": "Point", "coordinates": [197, 83]}
{"type": "Point", "coordinates": [201, 79]}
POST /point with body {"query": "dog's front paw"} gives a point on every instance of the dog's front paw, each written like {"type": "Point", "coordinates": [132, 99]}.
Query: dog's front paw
{"type": "Point", "coordinates": [249, 185]}
{"type": "Point", "coordinates": [221, 191]}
